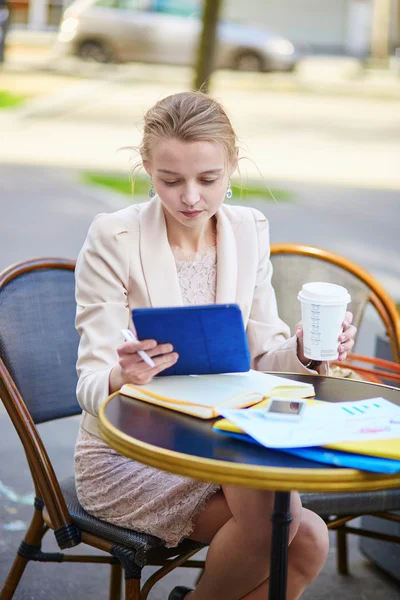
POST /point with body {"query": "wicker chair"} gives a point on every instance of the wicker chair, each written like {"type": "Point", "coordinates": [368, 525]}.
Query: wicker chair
{"type": "Point", "coordinates": [292, 266]}
{"type": "Point", "coordinates": [38, 349]}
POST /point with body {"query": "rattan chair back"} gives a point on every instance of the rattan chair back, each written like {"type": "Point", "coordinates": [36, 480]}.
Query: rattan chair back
{"type": "Point", "coordinates": [295, 264]}
{"type": "Point", "coordinates": [38, 352]}
{"type": "Point", "coordinates": [38, 339]}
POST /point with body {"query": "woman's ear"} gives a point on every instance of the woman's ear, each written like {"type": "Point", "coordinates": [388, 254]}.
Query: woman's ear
{"type": "Point", "coordinates": [235, 162]}
{"type": "Point", "coordinates": [147, 167]}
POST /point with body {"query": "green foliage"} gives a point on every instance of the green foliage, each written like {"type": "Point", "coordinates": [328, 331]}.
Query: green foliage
{"type": "Point", "coordinates": [123, 185]}
{"type": "Point", "coordinates": [254, 190]}
{"type": "Point", "coordinates": [8, 100]}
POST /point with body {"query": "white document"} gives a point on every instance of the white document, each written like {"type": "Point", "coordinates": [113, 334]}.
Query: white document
{"type": "Point", "coordinates": [324, 423]}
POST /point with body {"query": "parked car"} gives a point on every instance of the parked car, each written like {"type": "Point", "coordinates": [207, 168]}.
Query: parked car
{"type": "Point", "coordinates": [165, 32]}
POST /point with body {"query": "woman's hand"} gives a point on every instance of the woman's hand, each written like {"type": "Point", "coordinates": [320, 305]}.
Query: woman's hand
{"type": "Point", "coordinates": [346, 339]}
{"type": "Point", "coordinates": [132, 369]}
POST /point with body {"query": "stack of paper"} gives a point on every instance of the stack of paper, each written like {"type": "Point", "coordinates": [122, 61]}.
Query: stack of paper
{"type": "Point", "coordinates": [370, 428]}
{"type": "Point", "coordinates": [322, 424]}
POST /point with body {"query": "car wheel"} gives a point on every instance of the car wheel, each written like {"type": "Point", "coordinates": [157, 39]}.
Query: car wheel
{"type": "Point", "coordinates": [249, 61]}
{"type": "Point", "coordinates": [94, 52]}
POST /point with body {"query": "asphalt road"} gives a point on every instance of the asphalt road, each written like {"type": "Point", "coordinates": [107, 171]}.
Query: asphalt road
{"type": "Point", "coordinates": [47, 211]}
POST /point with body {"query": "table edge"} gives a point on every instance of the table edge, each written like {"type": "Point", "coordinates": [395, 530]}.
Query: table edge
{"type": "Point", "coordinates": [256, 476]}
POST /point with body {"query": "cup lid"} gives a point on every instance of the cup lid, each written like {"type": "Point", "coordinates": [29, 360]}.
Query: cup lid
{"type": "Point", "coordinates": [321, 292]}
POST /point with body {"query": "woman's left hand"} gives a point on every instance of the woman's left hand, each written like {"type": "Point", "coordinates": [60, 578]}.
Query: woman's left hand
{"type": "Point", "coordinates": [346, 339]}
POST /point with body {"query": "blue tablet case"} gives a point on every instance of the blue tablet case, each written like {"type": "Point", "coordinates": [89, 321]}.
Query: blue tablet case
{"type": "Point", "coordinates": [209, 339]}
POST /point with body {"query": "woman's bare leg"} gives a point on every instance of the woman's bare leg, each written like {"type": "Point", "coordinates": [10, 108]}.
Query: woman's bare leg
{"type": "Point", "coordinates": [238, 525]}
{"type": "Point", "coordinates": [307, 555]}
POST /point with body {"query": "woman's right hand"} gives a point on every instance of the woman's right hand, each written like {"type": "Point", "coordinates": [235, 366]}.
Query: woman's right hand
{"type": "Point", "coordinates": [132, 369]}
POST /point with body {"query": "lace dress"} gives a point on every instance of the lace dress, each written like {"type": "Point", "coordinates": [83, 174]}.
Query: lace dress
{"type": "Point", "coordinates": [127, 493]}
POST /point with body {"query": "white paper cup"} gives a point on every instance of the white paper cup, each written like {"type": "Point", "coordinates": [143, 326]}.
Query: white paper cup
{"type": "Point", "coordinates": [323, 307]}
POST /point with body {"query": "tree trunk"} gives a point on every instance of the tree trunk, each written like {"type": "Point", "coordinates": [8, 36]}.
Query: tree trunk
{"type": "Point", "coordinates": [208, 43]}
{"type": "Point", "coordinates": [380, 30]}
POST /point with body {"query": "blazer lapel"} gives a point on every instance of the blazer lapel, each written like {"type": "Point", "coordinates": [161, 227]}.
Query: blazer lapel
{"type": "Point", "coordinates": [226, 260]}
{"type": "Point", "coordinates": [157, 259]}
{"type": "Point", "coordinates": [159, 265]}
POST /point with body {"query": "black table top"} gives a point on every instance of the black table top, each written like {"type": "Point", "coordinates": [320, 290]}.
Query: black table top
{"type": "Point", "coordinates": [187, 445]}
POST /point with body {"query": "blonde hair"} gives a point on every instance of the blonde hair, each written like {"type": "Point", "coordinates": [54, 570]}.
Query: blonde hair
{"type": "Point", "coordinates": [188, 117]}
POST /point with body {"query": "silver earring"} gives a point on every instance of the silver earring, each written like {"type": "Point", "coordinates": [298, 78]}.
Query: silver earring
{"type": "Point", "coordinates": [229, 192]}
{"type": "Point", "coordinates": [152, 192]}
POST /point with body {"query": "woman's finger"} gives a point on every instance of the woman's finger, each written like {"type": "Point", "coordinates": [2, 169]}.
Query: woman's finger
{"type": "Point", "coordinates": [160, 349]}
{"type": "Point", "coordinates": [133, 347]}
{"type": "Point", "coordinates": [346, 347]}
{"type": "Point", "coordinates": [348, 319]}
{"type": "Point", "coordinates": [162, 363]}
{"type": "Point", "coordinates": [163, 366]}
{"type": "Point", "coordinates": [348, 334]}
{"type": "Point", "coordinates": [299, 330]}
{"type": "Point", "coordinates": [141, 373]}
{"type": "Point", "coordinates": [165, 359]}
{"type": "Point", "coordinates": [135, 364]}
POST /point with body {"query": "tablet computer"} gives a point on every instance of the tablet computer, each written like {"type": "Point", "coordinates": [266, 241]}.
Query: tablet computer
{"type": "Point", "coordinates": [209, 339]}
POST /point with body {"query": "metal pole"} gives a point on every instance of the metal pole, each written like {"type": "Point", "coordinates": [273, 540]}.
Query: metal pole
{"type": "Point", "coordinates": [281, 519]}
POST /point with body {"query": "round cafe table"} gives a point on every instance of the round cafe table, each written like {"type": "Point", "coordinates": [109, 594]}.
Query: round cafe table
{"type": "Point", "coordinates": [188, 446]}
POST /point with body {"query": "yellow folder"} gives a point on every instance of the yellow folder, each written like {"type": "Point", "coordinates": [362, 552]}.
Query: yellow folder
{"type": "Point", "coordinates": [382, 448]}
{"type": "Point", "coordinates": [202, 395]}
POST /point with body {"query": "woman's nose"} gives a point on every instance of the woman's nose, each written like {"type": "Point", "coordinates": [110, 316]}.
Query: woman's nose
{"type": "Point", "coordinates": [191, 196]}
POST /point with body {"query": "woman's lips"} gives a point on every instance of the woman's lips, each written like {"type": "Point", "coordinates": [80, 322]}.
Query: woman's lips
{"type": "Point", "coordinates": [191, 214]}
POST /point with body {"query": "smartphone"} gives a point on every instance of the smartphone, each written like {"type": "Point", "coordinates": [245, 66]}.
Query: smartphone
{"type": "Point", "coordinates": [283, 409]}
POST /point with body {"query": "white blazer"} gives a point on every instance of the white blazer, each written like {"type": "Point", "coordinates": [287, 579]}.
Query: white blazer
{"type": "Point", "coordinates": [126, 262]}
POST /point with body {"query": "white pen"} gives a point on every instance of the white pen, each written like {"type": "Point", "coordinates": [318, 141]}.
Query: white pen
{"type": "Point", "coordinates": [129, 337]}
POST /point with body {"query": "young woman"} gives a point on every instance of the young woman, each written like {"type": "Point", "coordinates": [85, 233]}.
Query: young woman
{"type": "Point", "coordinates": [185, 246]}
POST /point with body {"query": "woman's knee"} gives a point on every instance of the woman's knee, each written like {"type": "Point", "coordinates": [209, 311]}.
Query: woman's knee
{"type": "Point", "coordinates": [252, 511]}
{"type": "Point", "coordinates": [310, 546]}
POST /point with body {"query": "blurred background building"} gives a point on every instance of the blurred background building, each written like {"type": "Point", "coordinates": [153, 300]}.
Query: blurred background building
{"type": "Point", "coordinates": [344, 27]}
{"type": "Point", "coordinates": [320, 26]}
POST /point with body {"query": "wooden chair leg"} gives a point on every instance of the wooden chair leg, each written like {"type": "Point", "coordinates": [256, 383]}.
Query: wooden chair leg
{"type": "Point", "coordinates": [341, 552]}
{"type": "Point", "coordinates": [116, 582]}
{"type": "Point", "coordinates": [33, 537]}
{"type": "Point", "coordinates": [132, 589]}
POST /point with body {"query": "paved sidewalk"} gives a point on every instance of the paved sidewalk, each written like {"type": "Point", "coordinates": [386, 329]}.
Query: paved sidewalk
{"type": "Point", "coordinates": [82, 123]}
{"type": "Point", "coordinates": [29, 51]}
{"type": "Point", "coordinates": [49, 581]}
{"type": "Point", "coordinates": [52, 202]}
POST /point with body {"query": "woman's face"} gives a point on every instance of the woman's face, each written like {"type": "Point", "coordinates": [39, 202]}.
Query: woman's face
{"type": "Point", "coordinates": [191, 179]}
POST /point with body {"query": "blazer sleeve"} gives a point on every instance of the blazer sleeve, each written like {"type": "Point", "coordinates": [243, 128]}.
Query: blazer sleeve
{"type": "Point", "coordinates": [270, 344]}
{"type": "Point", "coordinates": [102, 273]}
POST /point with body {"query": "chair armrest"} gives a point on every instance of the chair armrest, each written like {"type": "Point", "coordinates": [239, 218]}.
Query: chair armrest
{"type": "Point", "coordinates": [385, 369]}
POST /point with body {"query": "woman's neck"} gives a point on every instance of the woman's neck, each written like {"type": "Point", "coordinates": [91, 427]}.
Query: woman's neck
{"type": "Point", "coordinates": [191, 241]}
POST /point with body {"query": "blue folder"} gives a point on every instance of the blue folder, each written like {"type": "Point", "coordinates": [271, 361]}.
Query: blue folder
{"type": "Point", "coordinates": [209, 339]}
{"type": "Point", "coordinates": [337, 458]}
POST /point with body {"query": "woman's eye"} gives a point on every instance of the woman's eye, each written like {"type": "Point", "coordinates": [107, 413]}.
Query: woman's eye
{"type": "Point", "coordinates": [208, 181]}
{"type": "Point", "coordinates": [171, 182]}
